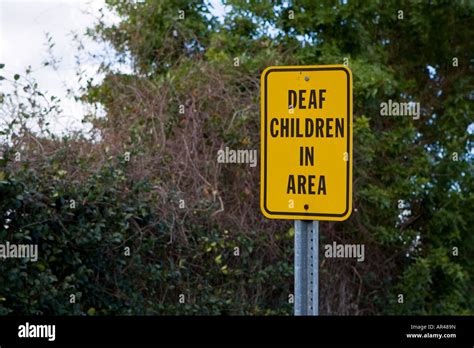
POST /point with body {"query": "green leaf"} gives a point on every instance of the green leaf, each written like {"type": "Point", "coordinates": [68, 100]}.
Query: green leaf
{"type": "Point", "coordinates": [16, 77]}
{"type": "Point", "coordinates": [218, 259]}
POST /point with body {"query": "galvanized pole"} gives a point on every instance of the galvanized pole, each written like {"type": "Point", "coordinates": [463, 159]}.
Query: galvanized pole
{"type": "Point", "coordinates": [306, 267]}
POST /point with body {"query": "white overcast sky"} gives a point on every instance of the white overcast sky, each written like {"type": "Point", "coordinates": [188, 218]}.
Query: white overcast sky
{"type": "Point", "coordinates": [23, 28]}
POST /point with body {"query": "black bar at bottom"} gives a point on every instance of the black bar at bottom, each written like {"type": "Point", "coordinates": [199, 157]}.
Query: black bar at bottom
{"type": "Point", "coordinates": [206, 330]}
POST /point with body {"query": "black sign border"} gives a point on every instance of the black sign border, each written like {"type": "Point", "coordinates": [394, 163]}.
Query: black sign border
{"type": "Point", "coordinates": [349, 134]}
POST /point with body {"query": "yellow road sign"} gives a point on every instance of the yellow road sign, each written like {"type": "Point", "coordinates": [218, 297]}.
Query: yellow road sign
{"type": "Point", "coordinates": [306, 142]}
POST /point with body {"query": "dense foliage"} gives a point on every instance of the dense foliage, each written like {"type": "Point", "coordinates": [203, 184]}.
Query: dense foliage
{"type": "Point", "coordinates": [151, 184]}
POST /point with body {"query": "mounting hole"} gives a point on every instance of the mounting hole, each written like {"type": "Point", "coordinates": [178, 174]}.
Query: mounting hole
{"type": "Point", "coordinates": [306, 207]}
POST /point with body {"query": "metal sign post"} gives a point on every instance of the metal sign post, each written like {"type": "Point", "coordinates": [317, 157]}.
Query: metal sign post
{"type": "Point", "coordinates": [306, 267]}
{"type": "Point", "coordinates": [306, 160]}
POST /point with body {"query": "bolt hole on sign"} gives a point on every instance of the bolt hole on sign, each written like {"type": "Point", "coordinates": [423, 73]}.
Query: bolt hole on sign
{"type": "Point", "coordinates": [306, 142]}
